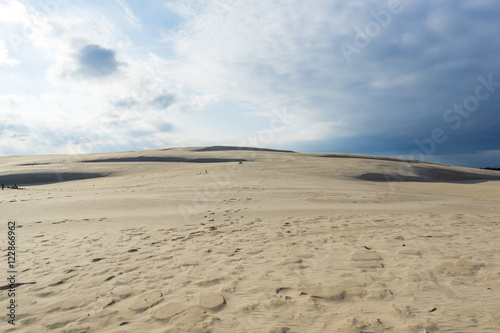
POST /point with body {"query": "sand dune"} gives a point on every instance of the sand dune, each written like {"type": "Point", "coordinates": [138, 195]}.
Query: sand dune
{"type": "Point", "coordinates": [192, 240]}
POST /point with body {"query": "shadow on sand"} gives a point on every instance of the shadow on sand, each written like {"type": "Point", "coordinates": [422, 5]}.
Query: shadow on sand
{"type": "Point", "coordinates": [166, 159]}
{"type": "Point", "coordinates": [46, 177]}
{"type": "Point", "coordinates": [430, 175]}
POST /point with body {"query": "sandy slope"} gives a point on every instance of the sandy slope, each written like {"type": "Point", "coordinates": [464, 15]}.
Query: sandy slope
{"type": "Point", "coordinates": [192, 240]}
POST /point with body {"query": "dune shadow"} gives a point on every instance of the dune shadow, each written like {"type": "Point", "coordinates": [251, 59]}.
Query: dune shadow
{"type": "Point", "coordinates": [430, 175]}
{"type": "Point", "coordinates": [442, 175]}
{"type": "Point", "coordinates": [46, 177]}
{"type": "Point", "coordinates": [391, 159]}
{"type": "Point", "coordinates": [385, 177]}
{"type": "Point", "coordinates": [165, 159]}
{"type": "Point", "coordinates": [33, 164]}
{"type": "Point", "coordinates": [228, 148]}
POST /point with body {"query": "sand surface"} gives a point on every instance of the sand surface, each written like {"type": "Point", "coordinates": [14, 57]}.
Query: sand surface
{"type": "Point", "coordinates": [219, 239]}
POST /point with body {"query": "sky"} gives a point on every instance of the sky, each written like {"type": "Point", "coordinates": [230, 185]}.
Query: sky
{"type": "Point", "coordinates": [416, 79]}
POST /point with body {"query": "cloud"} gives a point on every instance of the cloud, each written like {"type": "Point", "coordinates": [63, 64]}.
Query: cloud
{"type": "Point", "coordinates": [160, 102]}
{"type": "Point", "coordinates": [125, 103]}
{"type": "Point", "coordinates": [276, 54]}
{"type": "Point", "coordinates": [128, 14]}
{"type": "Point", "coordinates": [4, 56]}
{"type": "Point", "coordinates": [13, 128]}
{"type": "Point", "coordinates": [95, 61]}
{"type": "Point", "coordinates": [163, 101]}
{"type": "Point", "coordinates": [13, 11]}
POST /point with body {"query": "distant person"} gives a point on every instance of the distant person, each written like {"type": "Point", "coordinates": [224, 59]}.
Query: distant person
{"type": "Point", "coordinates": [3, 186]}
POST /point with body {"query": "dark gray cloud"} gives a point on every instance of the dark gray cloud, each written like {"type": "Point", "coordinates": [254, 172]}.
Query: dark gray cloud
{"type": "Point", "coordinates": [95, 61]}
{"type": "Point", "coordinates": [396, 91]}
{"type": "Point", "coordinates": [392, 93]}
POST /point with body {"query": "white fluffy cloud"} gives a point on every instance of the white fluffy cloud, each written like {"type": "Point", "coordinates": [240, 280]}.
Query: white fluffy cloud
{"type": "Point", "coordinates": [100, 98]}
{"type": "Point", "coordinates": [4, 56]}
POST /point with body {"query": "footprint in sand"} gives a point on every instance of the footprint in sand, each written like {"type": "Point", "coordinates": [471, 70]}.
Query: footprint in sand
{"type": "Point", "coordinates": [169, 310]}
{"type": "Point", "coordinates": [212, 301]}
{"type": "Point", "coordinates": [367, 259]}
{"type": "Point", "coordinates": [365, 324]}
{"type": "Point", "coordinates": [291, 260]}
{"type": "Point", "coordinates": [146, 301]}
{"type": "Point", "coordinates": [461, 267]}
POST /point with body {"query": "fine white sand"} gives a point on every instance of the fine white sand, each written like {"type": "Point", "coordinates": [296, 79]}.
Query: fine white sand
{"type": "Point", "coordinates": [221, 239]}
